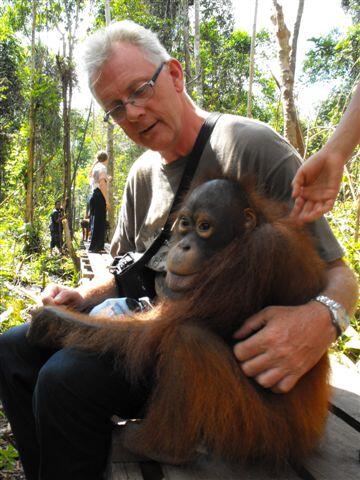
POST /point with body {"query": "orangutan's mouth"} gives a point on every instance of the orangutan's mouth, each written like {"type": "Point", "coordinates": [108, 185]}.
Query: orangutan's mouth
{"type": "Point", "coordinates": [179, 283]}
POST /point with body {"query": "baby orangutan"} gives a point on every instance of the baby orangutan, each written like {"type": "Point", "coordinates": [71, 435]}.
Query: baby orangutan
{"type": "Point", "coordinates": [233, 253]}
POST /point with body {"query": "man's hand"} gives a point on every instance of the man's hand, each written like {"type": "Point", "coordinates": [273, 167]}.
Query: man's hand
{"type": "Point", "coordinates": [288, 341]}
{"type": "Point", "coordinates": [59, 295]}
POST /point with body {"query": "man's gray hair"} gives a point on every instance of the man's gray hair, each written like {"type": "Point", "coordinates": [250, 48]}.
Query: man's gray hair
{"type": "Point", "coordinates": [97, 48]}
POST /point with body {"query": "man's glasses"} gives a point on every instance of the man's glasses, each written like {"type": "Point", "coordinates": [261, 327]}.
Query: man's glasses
{"type": "Point", "coordinates": [138, 98]}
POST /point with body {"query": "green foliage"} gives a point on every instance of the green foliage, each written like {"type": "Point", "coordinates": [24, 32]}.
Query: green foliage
{"type": "Point", "coordinates": [11, 108]}
{"type": "Point", "coordinates": [30, 234]}
{"type": "Point", "coordinates": [343, 222]}
{"type": "Point", "coordinates": [147, 13]}
{"type": "Point", "coordinates": [352, 7]}
{"type": "Point", "coordinates": [334, 57]}
{"type": "Point", "coordinates": [8, 457]}
{"type": "Point", "coordinates": [15, 308]}
{"type": "Point", "coordinates": [225, 61]}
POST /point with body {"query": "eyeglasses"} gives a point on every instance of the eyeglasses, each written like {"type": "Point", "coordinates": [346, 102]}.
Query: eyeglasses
{"type": "Point", "coordinates": [138, 98]}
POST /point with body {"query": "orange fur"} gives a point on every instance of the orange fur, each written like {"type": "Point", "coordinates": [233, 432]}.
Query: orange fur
{"type": "Point", "coordinates": [201, 395]}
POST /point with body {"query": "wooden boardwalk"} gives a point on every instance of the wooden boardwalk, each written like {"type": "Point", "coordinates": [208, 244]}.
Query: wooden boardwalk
{"type": "Point", "coordinates": [94, 264]}
{"type": "Point", "coordinates": [337, 458]}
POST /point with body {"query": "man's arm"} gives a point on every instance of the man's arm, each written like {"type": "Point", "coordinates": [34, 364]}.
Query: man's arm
{"type": "Point", "coordinates": [82, 297]}
{"type": "Point", "coordinates": [289, 341]}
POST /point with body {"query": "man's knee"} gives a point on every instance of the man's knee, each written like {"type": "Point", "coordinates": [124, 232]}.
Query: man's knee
{"type": "Point", "coordinates": [71, 377]}
{"type": "Point", "coordinates": [13, 348]}
{"type": "Point", "coordinates": [17, 353]}
{"type": "Point", "coordinates": [14, 338]}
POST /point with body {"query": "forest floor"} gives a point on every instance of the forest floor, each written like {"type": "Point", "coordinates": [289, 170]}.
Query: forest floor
{"type": "Point", "coordinates": [11, 468]}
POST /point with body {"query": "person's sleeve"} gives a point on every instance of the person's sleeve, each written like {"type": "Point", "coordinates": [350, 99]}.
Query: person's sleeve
{"type": "Point", "coordinates": [123, 240]}
{"type": "Point", "coordinates": [278, 161]}
{"type": "Point", "coordinates": [102, 173]}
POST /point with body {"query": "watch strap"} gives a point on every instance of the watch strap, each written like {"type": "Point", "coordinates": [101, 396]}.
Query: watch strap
{"type": "Point", "coordinates": [335, 307]}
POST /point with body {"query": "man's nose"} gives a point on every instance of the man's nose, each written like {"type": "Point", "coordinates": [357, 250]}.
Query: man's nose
{"type": "Point", "coordinates": [134, 112]}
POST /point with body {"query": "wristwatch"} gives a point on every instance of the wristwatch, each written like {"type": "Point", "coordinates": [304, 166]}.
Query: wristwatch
{"type": "Point", "coordinates": [339, 317]}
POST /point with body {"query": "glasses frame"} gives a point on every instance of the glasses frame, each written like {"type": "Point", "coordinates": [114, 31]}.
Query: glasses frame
{"type": "Point", "coordinates": [150, 83]}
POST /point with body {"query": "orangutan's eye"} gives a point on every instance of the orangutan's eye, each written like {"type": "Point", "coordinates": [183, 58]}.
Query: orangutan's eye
{"type": "Point", "coordinates": [204, 226]}
{"type": "Point", "coordinates": [184, 224]}
{"type": "Point", "coordinates": [204, 229]}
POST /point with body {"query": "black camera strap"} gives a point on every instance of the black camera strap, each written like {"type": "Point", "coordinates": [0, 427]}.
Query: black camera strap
{"type": "Point", "coordinates": [190, 168]}
{"type": "Point", "coordinates": [133, 278]}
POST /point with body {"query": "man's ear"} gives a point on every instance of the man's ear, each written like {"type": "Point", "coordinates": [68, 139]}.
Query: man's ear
{"type": "Point", "coordinates": [250, 219]}
{"type": "Point", "coordinates": [176, 72]}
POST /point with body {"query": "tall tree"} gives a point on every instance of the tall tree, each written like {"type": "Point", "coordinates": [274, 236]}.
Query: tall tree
{"type": "Point", "coordinates": [29, 207]}
{"type": "Point", "coordinates": [11, 95]}
{"type": "Point", "coordinates": [65, 63]}
{"type": "Point", "coordinates": [352, 7]}
{"type": "Point", "coordinates": [296, 36]}
{"type": "Point", "coordinates": [292, 129]}
{"type": "Point", "coordinates": [252, 57]}
{"type": "Point", "coordinates": [110, 148]}
{"type": "Point", "coordinates": [198, 72]}
{"type": "Point", "coordinates": [186, 37]}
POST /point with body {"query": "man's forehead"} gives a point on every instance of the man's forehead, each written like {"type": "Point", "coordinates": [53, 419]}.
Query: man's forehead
{"type": "Point", "coordinates": [125, 66]}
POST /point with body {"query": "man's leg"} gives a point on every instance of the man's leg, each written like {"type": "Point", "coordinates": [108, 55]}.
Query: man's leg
{"type": "Point", "coordinates": [76, 393]}
{"type": "Point", "coordinates": [75, 397]}
{"type": "Point", "coordinates": [19, 367]}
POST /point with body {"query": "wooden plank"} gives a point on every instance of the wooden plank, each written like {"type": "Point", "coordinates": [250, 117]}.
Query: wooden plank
{"type": "Point", "coordinates": [125, 471]}
{"type": "Point", "coordinates": [338, 454]}
{"type": "Point", "coordinates": [99, 263]}
{"type": "Point", "coordinates": [336, 458]}
{"type": "Point", "coordinates": [118, 452]}
{"type": "Point", "coordinates": [346, 392]}
{"type": "Point", "coordinates": [207, 469]}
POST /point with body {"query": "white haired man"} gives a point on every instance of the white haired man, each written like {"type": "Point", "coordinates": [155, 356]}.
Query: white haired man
{"type": "Point", "coordinates": [60, 403]}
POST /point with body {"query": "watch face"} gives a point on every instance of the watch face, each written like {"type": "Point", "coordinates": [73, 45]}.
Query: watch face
{"type": "Point", "coordinates": [340, 318]}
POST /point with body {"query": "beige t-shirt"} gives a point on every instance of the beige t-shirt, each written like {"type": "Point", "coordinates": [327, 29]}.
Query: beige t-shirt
{"type": "Point", "coordinates": [237, 145]}
{"type": "Point", "coordinates": [98, 172]}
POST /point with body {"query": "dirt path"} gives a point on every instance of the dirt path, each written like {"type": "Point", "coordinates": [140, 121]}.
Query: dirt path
{"type": "Point", "coordinates": [12, 471]}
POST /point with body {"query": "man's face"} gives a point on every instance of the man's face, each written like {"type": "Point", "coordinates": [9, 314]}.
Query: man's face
{"type": "Point", "coordinates": [157, 124]}
{"type": "Point", "coordinates": [57, 205]}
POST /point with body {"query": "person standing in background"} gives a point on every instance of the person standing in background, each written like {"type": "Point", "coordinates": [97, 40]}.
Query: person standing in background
{"type": "Point", "coordinates": [98, 202]}
{"type": "Point", "coordinates": [56, 227]}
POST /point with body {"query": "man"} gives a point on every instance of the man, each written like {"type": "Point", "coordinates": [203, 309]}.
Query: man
{"type": "Point", "coordinates": [56, 227]}
{"type": "Point", "coordinates": [74, 394]}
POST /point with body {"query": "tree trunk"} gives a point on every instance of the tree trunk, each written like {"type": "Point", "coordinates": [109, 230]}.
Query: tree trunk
{"type": "Point", "coordinates": [68, 242]}
{"type": "Point", "coordinates": [252, 56]}
{"type": "Point", "coordinates": [185, 16]}
{"type": "Point", "coordinates": [357, 226]}
{"type": "Point", "coordinates": [66, 69]}
{"type": "Point", "coordinates": [110, 169]}
{"type": "Point", "coordinates": [29, 207]}
{"type": "Point", "coordinates": [110, 150]}
{"type": "Point", "coordinates": [296, 36]}
{"type": "Point", "coordinates": [198, 75]}
{"type": "Point", "coordinates": [67, 197]}
{"type": "Point", "coordinates": [292, 129]}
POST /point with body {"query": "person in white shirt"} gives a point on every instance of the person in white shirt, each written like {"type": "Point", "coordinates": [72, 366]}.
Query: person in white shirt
{"type": "Point", "coordinates": [99, 202]}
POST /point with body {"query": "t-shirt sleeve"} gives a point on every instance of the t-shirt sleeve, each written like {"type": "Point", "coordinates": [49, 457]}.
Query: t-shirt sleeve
{"type": "Point", "coordinates": [123, 240]}
{"type": "Point", "coordinates": [101, 172]}
{"type": "Point", "coordinates": [275, 162]}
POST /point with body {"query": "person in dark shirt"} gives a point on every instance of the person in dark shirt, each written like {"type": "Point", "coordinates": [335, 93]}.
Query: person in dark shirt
{"type": "Point", "coordinates": [56, 227]}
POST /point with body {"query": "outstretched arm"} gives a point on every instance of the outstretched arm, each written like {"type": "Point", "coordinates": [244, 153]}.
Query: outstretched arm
{"type": "Point", "coordinates": [289, 341]}
{"type": "Point", "coordinates": [82, 297]}
{"type": "Point", "coordinates": [317, 182]}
